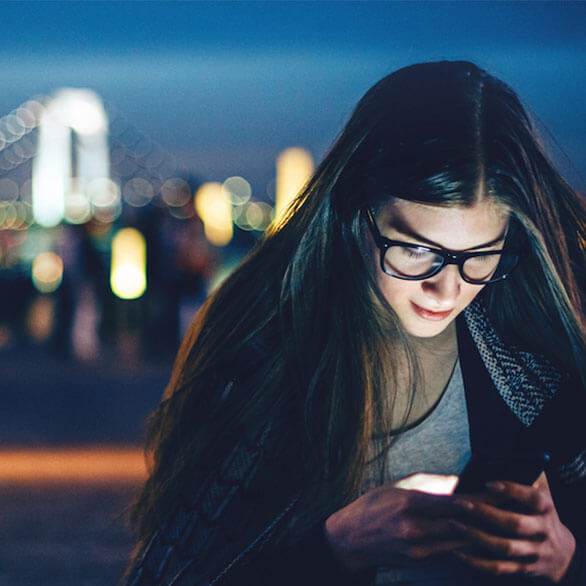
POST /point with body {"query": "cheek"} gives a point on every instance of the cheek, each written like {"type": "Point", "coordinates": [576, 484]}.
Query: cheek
{"type": "Point", "coordinates": [468, 293]}
{"type": "Point", "coordinates": [396, 291]}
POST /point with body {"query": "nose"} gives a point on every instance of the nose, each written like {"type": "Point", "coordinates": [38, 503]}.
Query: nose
{"type": "Point", "coordinates": [443, 289]}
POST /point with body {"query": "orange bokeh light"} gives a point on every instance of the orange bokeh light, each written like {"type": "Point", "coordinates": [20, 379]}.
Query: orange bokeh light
{"type": "Point", "coordinates": [79, 465]}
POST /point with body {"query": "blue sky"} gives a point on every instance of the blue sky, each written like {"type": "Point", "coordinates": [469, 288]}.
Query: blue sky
{"type": "Point", "coordinates": [225, 86]}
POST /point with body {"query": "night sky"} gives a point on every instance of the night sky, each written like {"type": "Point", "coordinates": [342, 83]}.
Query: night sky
{"type": "Point", "coordinates": [226, 86]}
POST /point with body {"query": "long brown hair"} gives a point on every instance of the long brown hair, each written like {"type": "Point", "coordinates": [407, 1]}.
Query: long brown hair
{"type": "Point", "coordinates": [439, 133]}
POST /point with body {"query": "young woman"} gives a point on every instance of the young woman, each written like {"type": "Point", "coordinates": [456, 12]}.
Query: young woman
{"type": "Point", "coordinates": [421, 303]}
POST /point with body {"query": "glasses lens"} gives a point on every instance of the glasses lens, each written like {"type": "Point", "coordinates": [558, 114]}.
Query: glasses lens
{"type": "Point", "coordinates": [411, 261]}
{"type": "Point", "coordinates": [489, 267]}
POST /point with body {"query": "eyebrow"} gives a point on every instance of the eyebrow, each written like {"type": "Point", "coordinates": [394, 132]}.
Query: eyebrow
{"type": "Point", "coordinates": [405, 230]}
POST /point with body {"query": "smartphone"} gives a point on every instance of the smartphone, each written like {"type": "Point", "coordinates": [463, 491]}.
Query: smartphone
{"type": "Point", "coordinates": [483, 468]}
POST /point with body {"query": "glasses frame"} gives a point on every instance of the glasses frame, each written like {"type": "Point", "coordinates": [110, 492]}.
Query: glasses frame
{"type": "Point", "coordinates": [448, 258]}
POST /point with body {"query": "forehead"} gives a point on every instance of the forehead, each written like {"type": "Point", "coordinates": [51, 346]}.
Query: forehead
{"type": "Point", "coordinates": [451, 227]}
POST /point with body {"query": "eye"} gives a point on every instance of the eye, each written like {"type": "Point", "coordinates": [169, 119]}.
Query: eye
{"type": "Point", "coordinates": [484, 258]}
{"type": "Point", "coordinates": [415, 253]}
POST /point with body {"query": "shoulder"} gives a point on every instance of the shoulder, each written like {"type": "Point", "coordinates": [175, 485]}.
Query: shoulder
{"type": "Point", "coordinates": [526, 381]}
{"type": "Point", "coordinates": [548, 402]}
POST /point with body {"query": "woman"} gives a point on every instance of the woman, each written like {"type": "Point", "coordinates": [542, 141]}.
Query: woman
{"type": "Point", "coordinates": [420, 303]}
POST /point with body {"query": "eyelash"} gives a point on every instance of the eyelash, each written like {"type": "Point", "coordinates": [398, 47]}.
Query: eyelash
{"type": "Point", "coordinates": [415, 253]}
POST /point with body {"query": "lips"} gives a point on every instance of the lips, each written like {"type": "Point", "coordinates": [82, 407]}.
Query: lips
{"type": "Point", "coordinates": [430, 315]}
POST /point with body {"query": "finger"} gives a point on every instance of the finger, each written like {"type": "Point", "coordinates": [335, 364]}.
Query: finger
{"type": "Point", "coordinates": [418, 530]}
{"type": "Point", "coordinates": [542, 482]}
{"type": "Point", "coordinates": [508, 523]}
{"type": "Point", "coordinates": [533, 498]}
{"type": "Point", "coordinates": [498, 546]}
{"type": "Point", "coordinates": [439, 547]}
{"type": "Point", "coordinates": [495, 567]}
{"type": "Point", "coordinates": [433, 506]}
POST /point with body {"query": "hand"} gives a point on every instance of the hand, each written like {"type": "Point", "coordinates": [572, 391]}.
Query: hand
{"type": "Point", "coordinates": [532, 543]}
{"type": "Point", "coordinates": [389, 523]}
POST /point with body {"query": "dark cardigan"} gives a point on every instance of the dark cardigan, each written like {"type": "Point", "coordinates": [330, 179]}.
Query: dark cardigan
{"type": "Point", "coordinates": [223, 533]}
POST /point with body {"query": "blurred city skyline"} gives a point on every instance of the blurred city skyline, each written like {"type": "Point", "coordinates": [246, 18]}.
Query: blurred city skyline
{"type": "Point", "coordinates": [224, 86]}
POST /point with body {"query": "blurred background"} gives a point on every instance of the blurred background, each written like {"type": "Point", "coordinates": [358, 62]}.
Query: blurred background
{"type": "Point", "coordinates": [144, 148]}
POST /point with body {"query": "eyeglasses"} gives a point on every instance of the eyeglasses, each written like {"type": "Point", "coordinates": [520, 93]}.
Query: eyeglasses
{"type": "Point", "coordinates": [414, 262]}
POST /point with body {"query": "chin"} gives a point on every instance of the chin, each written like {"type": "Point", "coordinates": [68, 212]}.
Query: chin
{"type": "Point", "coordinates": [427, 330]}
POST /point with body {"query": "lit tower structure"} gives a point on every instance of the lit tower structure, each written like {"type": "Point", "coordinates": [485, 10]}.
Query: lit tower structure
{"type": "Point", "coordinates": [71, 170]}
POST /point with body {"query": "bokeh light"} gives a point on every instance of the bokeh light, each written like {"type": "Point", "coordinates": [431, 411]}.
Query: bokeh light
{"type": "Point", "coordinates": [107, 215]}
{"type": "Point", "coordinates": [25, 148]}
{"type": "Point", "coordinates": [14, 125]}
{"type": "Point", "coordinates": [138, 192]}
{"type": "Point", "coordinates": [128, 269]}
{"type": "Point", "coordinates": [40, 318]}
{"type": "Point", "coordinates": [213, 206]}
{"type": "Point", "coordinates": [15, 215]}
{"type": "Point", "coordinates": [26, 117]}
{"type": "Point", "coordinates": [182, 213]}
{"type": "Point", "coordinates": [26, 189]}
{"type": "Point", "coordinates": [47, 272]}
{"type": "Point", "coordinates": [14, 156]}
{"type": "Point", "coordinates": [294, 169]}
{"type": "Point", "coordinates": [176, 192]}
{"type": "Point", "coordinates": [8, 214]}
{"type": "Point", "coordinates": [77, 208]}
{"type": "Point", "coordinates": [103, 193]}
{"type": "Point", "coordinates": [253, 216]}
{"type": "Point", "coordinates": [238, 190]}
{"type": "Point", "coordinates": [8, 189]}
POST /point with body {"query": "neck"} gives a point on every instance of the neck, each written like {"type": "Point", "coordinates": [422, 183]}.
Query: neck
{"type": "Point", "coordinates": [444, 343]}
{"type": "Point", "coordinates": [436, 358]}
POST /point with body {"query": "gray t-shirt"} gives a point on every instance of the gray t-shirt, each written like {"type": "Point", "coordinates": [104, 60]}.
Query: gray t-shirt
{"type": "Point", "coordinates": [440, 444]}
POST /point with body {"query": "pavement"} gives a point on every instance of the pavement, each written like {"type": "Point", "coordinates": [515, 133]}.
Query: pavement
{"type": "Point", "coordinates": [63, 535]}
{"type": "Point", "coordinates": [68, 432]}
{"type": "Point", "coordinates": [51, 401]}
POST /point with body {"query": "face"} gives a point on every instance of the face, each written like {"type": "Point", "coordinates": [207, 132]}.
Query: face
{"type": "Point", "coordinates": [427, 307]}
